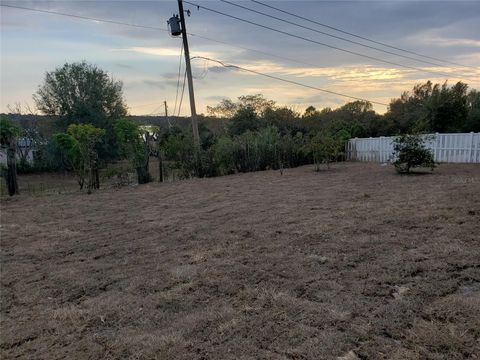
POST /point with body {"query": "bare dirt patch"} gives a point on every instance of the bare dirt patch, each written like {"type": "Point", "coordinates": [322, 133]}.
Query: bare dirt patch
{"type": "Point", "coordinates": [352, 263]}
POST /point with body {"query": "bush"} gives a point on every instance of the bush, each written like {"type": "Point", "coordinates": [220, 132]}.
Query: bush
{"type": "Point", "coordinates": [134, 144]}
{"type": "Point", "coordinates": [245, 119]}
{"type": "Point", "coordinates": [326, 147]}
{"type": "Point", "coordinates": [79, 146]}
{"type": "Point", "coordinates": [224, 155]}
{"type": "Point", "coordinates": [410, 152]}
{"type": "Point", "coordinates": [47, 157]}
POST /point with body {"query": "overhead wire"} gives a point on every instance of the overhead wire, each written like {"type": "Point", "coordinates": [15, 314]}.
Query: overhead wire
{"type": "Point", "coordinates": [143, 105]}
{"type": "Point", "coordinates": [256, 50]}
{"type": "Point", "coordinates": [330, 35]}
{"type": "Point", "coordinates": [225, 43]}
{"type": "Point", "coordinates": [315, 41]}
{"type": "Point", "coordinates": [165, 30]}
{"type": "Point", "coordinates": [154, 110]}
{"type": "Point", "coordinates": [204, 72]}
{"type": "Point", "coordinates": [183, 90]}
{"type": "Point", "coordinates": [83, 17]}
{"type": "Point", "coordinates": [359, 36]}
{"type": "Point", "coordinates": [178, 79]}
{"type": "Point", "coordinates": [286, 80]}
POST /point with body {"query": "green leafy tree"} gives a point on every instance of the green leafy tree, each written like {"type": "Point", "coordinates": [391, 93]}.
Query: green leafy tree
{"type": "Point", "coordinates": [245, 119]}
{"type": "Point", "coordinates": [283, 118]}
{"type": "Point", "coordinates": [256, 102]}
{"type": "Point", "coordinates": [78, 93]}
{"type": "Point", "coordinates": [473, 117]}
{"type": "Point", "coordinates": [9, 134]}
{"type": "Point", "coordinates": [134, 142]}
{"type": "Point", "coordinates": [79, 146]}
{"type": "Point", "coordinates": [433, 108]}
{"type": "Point", "coordinates": [310, 112]}
{"type": "Point", "coordinates": [326, 147]}
{"type": "Point", "coordinates": [227, 108]}
{"type": "Point", "coordinates": [410, 152]}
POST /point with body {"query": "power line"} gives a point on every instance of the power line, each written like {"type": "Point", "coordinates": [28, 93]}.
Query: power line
{"type": "Point", "coordinates": [83, 17]}
{"type": "Point", "coordinates": [314, 41]}
{"type": "Point", "coordinates": [155, 110]}
{"type": "Point", "coordinates": [104, 21]}
{"type": "Point", "coordinates": [158, 28]}
{"type": "Point", "coordinates": [286, 80]}
{"type": "Point", "coordinates": [183, 90]}
{"type": "Point", "coordinates": [221, 42]}
{"type": "Point", "coordinates": [360, 37]}
{"type": "Point", "coordinates": [178, 79]}
{"type": "Point", "coordinates": [331, 35]}
{"type": "Point", "coordinates": [143, 105]}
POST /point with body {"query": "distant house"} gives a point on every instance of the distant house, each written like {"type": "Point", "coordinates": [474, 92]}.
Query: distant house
{"type": "Point", "coordinates": [24, 151]}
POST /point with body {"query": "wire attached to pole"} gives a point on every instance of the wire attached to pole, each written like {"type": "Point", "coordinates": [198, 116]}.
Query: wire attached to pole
{"type": "Point", "coordinates": [286, 80]}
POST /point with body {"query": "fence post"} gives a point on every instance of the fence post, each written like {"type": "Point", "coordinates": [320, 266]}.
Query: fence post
{"type": "Point", "coordinates": [355, 149]}
{"type": "Point", "coordinates": [370, 150]}
{"type": "Point", "coordinates": [380, 150]}
{"type": "Point", "coordinates": [470, 153]}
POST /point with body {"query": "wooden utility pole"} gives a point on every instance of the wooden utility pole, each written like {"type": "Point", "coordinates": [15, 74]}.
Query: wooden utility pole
{"type": "Point", "coordinates": [166, 108]}
{"type": "Point", "coordinates": [196, 137]}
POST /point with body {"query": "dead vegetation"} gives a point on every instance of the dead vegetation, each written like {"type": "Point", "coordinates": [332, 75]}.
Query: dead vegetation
{"type": "Point", "coordinates": [352, 263]}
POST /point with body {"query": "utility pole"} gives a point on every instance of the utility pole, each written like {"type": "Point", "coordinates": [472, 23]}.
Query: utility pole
{"type": "Point", "coordinates": [166, 108]}
{"type": "Point", "coordinates": [196, 137]}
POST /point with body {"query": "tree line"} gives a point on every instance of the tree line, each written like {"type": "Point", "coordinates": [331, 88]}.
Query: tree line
{"type": "Point", "coordinates": [86, 126]}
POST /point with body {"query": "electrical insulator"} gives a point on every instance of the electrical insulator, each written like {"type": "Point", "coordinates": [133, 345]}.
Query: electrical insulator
{"type": "Point", "coordinates": [174, 23]}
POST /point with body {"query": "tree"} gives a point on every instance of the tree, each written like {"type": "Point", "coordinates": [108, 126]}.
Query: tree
{"type": "Point", "coordinates": [283, 118]}
{"type": "Point", "coordinates": [227, 108]}
{"type": "Point", "coordinates": [326, 147]}
{"type": "Point", "coordinates": [134, 143]}
{"type": "Point", "coordinates": [9, 134]}
{"type": "Point", "coordinates": [79, 93]}
{"type": "Point", "coordinates": [79, 146]}
{"type": "Point", "coordinates": [257, 102]}
{"type": "Point", "coordinates": [244, 119]}
{"type": "Point", "coordinates": [410, 152]}
{"type": "Point", "coordinates": [310, 111]}
{"type": "Point", "coordinates": [432, 108]}
{"type": "Point", "coordinates": [473, 118]}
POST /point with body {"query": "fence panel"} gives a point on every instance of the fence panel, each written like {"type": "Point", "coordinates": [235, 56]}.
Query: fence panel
{"type": "Point", "coordinates": [448, 148]}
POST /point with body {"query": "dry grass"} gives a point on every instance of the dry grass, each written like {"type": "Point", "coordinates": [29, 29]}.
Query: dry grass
{"type": "Point", "coordinates": [352, 263]}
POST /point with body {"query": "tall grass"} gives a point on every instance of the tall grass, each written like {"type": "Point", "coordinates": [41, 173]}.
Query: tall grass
{"type": "Point", "coordinates": [251, 151]}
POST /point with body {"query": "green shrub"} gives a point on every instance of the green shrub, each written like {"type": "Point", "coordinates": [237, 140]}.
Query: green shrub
{"type": "Point", "coordinates": [410, 152]}
{"type": "Point", "coordinates": [245, 119]}
{"type": "Point", "coordinates": [134, 145]}
{"type": "Point", "coordinates": [326, 147]}
{"type": "Point", "coordinates": [224, 155]}
{"type": "Point", "coordinates": [292, 150]}
{"type": "Point", "coordinates": [79, 145]}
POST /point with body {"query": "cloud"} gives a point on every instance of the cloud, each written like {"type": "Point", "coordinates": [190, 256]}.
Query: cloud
{"type": "Point", "coordinates": [124, 66]}
{"type": "Point", "coordinates": [161, 51]}
{"type": "Point", "coordinates": [445, 41]}
{"type": "Point", "coordinates": [215, 98]}
{"type": "Point", "coordinates": [156, 83]}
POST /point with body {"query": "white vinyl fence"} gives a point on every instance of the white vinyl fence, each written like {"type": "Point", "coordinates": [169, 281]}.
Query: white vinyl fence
{"type": "Point", "coordinates": [449, 148]}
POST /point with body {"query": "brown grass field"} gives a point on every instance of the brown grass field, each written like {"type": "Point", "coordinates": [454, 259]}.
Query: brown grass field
{"type": "Point", "coordinates": [352, 263]}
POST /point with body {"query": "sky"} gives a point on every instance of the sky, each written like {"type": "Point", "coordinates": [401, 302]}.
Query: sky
{"type": "Point", "coordinates": [147, 60]}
